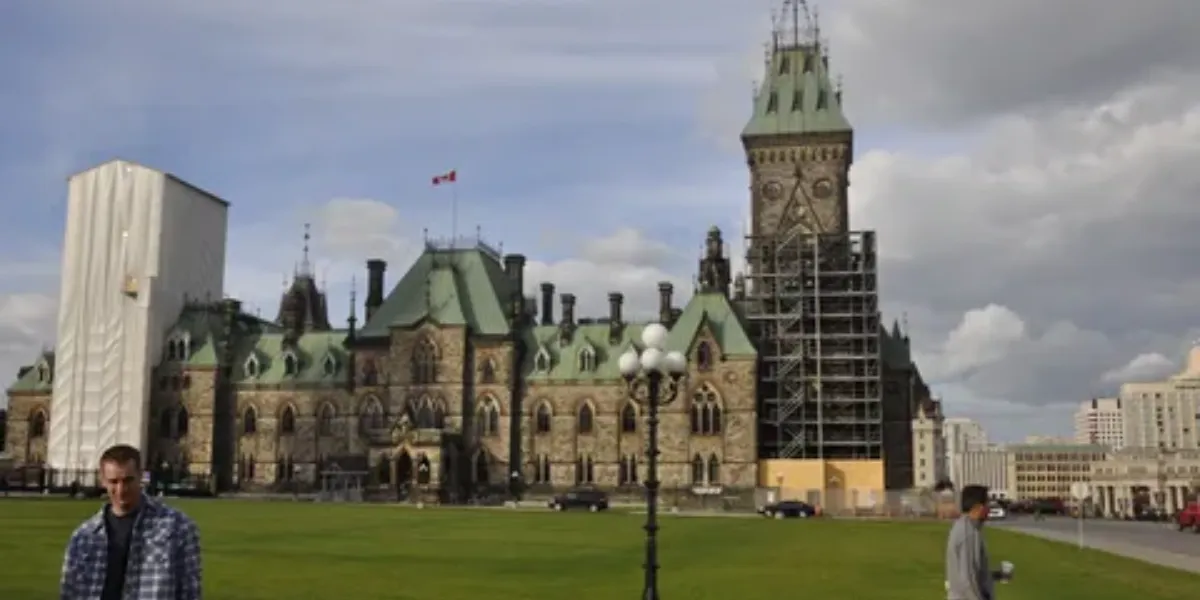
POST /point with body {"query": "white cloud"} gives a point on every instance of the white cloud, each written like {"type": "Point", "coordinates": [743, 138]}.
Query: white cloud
{"type": "Point", "coordinates": [1150, 366]}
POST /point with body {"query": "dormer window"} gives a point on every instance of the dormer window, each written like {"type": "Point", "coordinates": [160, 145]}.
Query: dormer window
{"type": "Point", "coordinates": [704, 356]}
{"type": "Point", "coordinates": [587, 359]}
{"type": "Point", "coordinates": [541, 362]}
{"type": "Point", "coordinates": [822, 100]}
{"type": "Point", "coordinates": [252, 367]}
{"type": "Point", "coordinates": [773, 102]}
{"type": "Point", "coordinates": [43, 373]}
{"type": "Point", "coordinates": [291, 365]}
{"type": "Point", "coordinates": [179, 346]}
{"type": "Point", "coordinates": [329, 365]}
{"type": "Point", "coordinates": [489, 372]}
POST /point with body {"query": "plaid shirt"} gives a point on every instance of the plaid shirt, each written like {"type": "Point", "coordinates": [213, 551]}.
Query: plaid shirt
{"type": "Point", "coordinates": [164, 557]}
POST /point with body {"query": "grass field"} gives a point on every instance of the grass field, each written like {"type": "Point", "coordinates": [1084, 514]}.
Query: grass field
{"type": "Point", "coordinates": [298, 551]}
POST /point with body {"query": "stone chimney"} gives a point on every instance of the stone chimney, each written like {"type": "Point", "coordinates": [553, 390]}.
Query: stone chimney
{"type": "Point", "coordinates": [568, 309]}
{"type": "Point", "coordinates": [665, 289]}
{"type": "Point", "coordinates": [547, 303]}
{"type": "Point", "coordinates": [514, 267]}
{"type": "Point", "coordinates": [615, 300]}
{"type": "Point", "coordinates": [375, 270]}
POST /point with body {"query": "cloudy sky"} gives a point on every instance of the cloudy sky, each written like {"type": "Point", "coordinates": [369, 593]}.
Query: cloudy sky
{"type": "Point", "coordinates": [1028, 164]}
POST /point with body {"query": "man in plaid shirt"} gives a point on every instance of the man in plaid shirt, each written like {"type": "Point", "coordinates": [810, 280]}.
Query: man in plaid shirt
{"type": "Point", "coordinates": [135, 548]}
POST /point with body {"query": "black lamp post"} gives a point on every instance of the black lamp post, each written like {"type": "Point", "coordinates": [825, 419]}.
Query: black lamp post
{"type": "Point", "coordinates": [653, 380]}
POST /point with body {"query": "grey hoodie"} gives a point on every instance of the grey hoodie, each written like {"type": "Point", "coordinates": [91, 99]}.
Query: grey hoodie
{"type": "Point", "coordinates": [968, 576]}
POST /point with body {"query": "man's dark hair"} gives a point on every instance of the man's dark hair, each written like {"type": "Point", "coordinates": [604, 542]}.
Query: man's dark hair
{"type": "Point", "coordinates": [974, 495]}
{"type": "Point", "coordinates": [122, 454]}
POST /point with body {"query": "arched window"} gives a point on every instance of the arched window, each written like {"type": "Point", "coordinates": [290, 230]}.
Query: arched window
{"type": "Point", "coordinates": [585, 421]}
{"type": "Point", "coordinates": [704, 357]}
{"type": "Point", "coordinates": [714, 470]}
{"type": "Point", "coordinates": [181, 423]}
{"type": "Point", "coordinates": [252, 366]}
{"type": "Point", "coordinates": [423, 469]}
{"type": "Point", "coordinates": [628, 418]}
{"type": "Point", "coordinates": [166, 424]}
{"type": "Point", "coordinates": [543, 418]}
{"type": "Point", "coordinates": [542, 362]}
{"type": "Point", "coordinates": [587, 359]}
{"type": "Point", "coordinates": [488, 374]}
{"type": "Point", "coordinates": [43, 373]}
{"type": "Point", "coordinates": [330, 365]}
{"type": "Point", "coordinates": [424, 361]}
{"type": "Point", "coordinates": [584, 470]}
{"type": "Point", "coordinates": [325, 419]}
{"type": "Point", "coordinates": [487, 418]}
{"type": "Point", "coordinates": [37, 424]}
{"type": "Point", "coordinates": [287, 421]}
{"type": "Point", "coordinates": [541, 469]}
{"type": "Point", "coordinates": [372, 414]}
{"type": "Point", "coordinates": [291, 365]}
{"type": "Point", "coordinates": [698, 470]}
{"type": "Point", "coordinates": [249, 421]}
{"type": "Point", "coordinates": [706, 414]}
{"type": "Point", "coordinates": [628, 474]}
{"type": "Point", "coordinates": [482, 471]}
{"type": "Point", "coordinates": [186, 382]}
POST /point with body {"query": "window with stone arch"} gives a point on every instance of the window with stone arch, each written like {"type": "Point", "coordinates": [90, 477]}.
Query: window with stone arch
{"type": "Point", "coordinates": [182, 421]}
{"type": "Point", "coordinates": [714, 470]}
{"type": "Point", "coordinates": [706, 411]}
{"type": "Point", "coordinates": [424, 361]}
{"type": "Point", "coordinates": [326, 418]}
{"type": "Point", "coordinates": [587, 359]}
{"type": "Point", "coordinates": [585, 421]}
{"type": "Point", "coordinates": [249, 421]}
{"type": "Point", "coordinates": [487, 417]}
{"type": "Point", "coordinates": [37, 424]}
{"type": "Point", "coordinates": [629, 418]}
{"type": "Point", "coordinates": [699, 470]}
{"type": "Point", "coordinates": [291, 364]}
{"type": "Point", "coordinates": [287, 421]}
{"type": "Point", "coordinates": [428, 413]}
{"type": "Point", "coordinates": [704, 356]}
{"type": "Point", "coordinates": [372, 414]}
{"type": "Point", "coordinates": [543, 418]}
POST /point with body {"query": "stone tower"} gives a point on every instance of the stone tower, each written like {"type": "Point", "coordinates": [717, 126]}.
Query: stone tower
{"type": "Point", "coordinates": [798, 143]}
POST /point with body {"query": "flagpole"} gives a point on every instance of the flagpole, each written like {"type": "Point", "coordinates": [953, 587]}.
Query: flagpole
{"type": "Point", "coordinates": [454, 212]}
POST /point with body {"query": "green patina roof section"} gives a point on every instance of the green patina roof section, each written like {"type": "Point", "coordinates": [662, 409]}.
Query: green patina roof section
{"type": "Point", "coordinates": [450, 287]}
{"type": "Point", "coordinates": [726, 326]}
{"type": "Point", "coordinates": [311, 349]}
{"type": "Point", "coordinates": [32, 381]}
{"type": "Point", "coordinates": [787, 102]}
{"type": "Point", "coordinates": [565, 363]}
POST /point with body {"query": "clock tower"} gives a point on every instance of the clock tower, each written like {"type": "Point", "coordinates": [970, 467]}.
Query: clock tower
{"type": "Point", "coordinates": [798, 143]}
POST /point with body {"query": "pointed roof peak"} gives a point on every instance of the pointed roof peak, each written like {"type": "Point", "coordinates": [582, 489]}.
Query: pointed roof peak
{"type": "Point", "coordinates": [798, 94]}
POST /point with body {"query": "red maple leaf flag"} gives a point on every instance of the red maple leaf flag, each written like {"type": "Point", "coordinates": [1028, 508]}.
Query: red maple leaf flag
{"type": "Point", "coordinates": [448, 177]}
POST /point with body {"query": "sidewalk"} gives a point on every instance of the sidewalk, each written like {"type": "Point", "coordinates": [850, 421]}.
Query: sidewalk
{"type": "Point", "coordinates": [1137, 552]}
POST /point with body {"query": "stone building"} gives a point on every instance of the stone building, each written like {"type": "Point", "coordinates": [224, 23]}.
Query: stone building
{"type": "Point", "coordinates": [454, 381]}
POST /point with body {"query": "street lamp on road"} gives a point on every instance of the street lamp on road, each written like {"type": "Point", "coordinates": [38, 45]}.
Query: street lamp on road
{"type": "Point", "coordinates": [652, 379]}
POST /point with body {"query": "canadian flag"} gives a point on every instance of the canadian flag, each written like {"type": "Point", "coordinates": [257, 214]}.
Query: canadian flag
{"type": "Point", "coordinates": [448, 177]}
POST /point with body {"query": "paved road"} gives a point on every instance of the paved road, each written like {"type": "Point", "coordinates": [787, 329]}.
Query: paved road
{"type": "Point", "coordinates": [1152, 542]}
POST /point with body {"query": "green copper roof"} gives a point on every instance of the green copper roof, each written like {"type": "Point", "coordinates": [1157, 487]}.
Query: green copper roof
{"type": "Point", "coordinates": [320, 358]}
{"type": "Point", "coordinates": [796, 96]}
{"type": "Point", "coordinates": [38, 377]}
{"type": "Point", "coordinates": [448, 287]}
{"type": "Point", "coordinates": [714, 311]}
{"type": "Point", "coordinates": [551, 357]}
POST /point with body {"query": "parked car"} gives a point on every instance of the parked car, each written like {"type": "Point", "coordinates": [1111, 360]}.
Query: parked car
{"type": "Point", "coordinates": [793, 509]}
{"type": "Point", "coordinates": [593, 500]}
{"type": "Point", "coordinates": [1189, 517]}
{"type": "Point", "coordinates": [997, 511]}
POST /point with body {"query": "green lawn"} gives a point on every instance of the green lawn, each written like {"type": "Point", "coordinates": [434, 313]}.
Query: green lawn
{"type": "Point", "coordinates": [285, 550]}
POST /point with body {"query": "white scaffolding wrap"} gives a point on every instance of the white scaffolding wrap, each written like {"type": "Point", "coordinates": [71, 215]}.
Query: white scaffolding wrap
{"type": "Point", "coordinates": [138, 242]}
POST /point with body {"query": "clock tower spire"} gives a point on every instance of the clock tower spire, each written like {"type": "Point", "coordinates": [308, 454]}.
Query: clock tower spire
{"type": "Point", "coordinates": [798, 142]}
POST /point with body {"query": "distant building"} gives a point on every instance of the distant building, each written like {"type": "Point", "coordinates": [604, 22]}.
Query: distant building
{"type": "Point", "coordinates": [929, 451]}
{"type": "Point", "coordinates": [1135, 478]}
{"type": "Point", "coordinates": [1048, 470]}
{"type": "Point", "coordinates": [987, 466]}
{"type": "Point", "coordinates": [961, 436]}
{"type": "Point", "coordinates": [1164, 414]}
{"type": "Point", "coordinates": [3, 428]}
{"type": "Point", "coordinates": [1098, 421]}
{"type": "Point", "coordinates": [1048, 440]}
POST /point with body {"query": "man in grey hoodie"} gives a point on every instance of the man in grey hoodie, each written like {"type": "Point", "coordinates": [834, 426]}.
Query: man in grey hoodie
{"type": "Point", "coordinates": [968, 573]}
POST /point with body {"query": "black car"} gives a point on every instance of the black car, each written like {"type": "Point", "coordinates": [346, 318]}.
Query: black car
{"type": "Point", "coordinates": [788, 509]}
{"type": "Point", "coordinates": [593, 500]}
